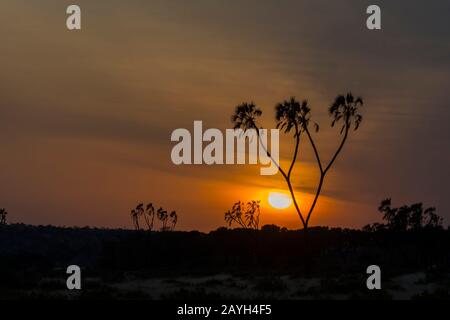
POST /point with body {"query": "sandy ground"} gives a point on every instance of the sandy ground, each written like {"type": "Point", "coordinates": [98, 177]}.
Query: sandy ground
{"type": "Point", "coordinates": [223, 286]}
{"type": "Point", "coordinates": [282, 287]}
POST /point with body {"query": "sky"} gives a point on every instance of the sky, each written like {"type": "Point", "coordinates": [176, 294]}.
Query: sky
{"type": "Point", "coordinates": [86, 116]}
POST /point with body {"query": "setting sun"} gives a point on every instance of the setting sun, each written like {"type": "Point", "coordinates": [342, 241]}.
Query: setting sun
{"type": "Point", "coordinates": [279, 200]}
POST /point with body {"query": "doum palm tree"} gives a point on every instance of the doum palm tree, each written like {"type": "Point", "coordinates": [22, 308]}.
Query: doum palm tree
{"type": "Point", "coordinates": [149, 216]}
{"type": "Point", "coordinates": [252, 214]}
{"type": "Point", "coordinates": [148, 212]}
{"type": "Point", "coordinates": [295, 116]}
{"type": "Point", "coordinates": [3, 214]}
{"type": "Point", "coordinates": [245, 117]}
{"type": "Point", "coordinates": [245, 215]}
{"type": "Point", "coordinates": [236, 214]}
{"type": "Point", "coordinates": [162, 216]}
{"type": "Point", "coordinates": [135, 219]}
{"type": "Point", "coordinates": [344, 109]}
{"type": "Point", "coordinates": [174, 219]}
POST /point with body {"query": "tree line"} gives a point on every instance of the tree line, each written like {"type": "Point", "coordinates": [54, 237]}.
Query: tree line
{"type": "Point", "coordinates": [407, 217]}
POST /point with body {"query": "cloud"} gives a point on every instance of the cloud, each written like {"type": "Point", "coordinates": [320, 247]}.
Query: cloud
{"type": "Point", "coordinates": [114, 91]}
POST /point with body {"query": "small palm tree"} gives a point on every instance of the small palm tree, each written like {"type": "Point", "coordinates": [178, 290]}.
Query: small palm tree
{"type": "Point", "coordinates": [235, 215]}
{"type": "Point", "coordinates": [140, 210]}
{"type": "Point", "coordinates": [3, 214]}
{"type": "Point", "coordinates": [252, 214]}
{"type": "Point", "coordinates": [135, 219]}
{"type": "Point", "coordinates": [136, 213]}
{"type": "Point", "coordinates": [174, 219]}
{"type": "Point", "coordinates": [344, 109]}
{"type": "Point", "coordinates": [162, 216]}
{"type": "Point", "coordinates": [245, 215]}
{"type": "Point", "coordinates": [288, 117]}
{"type": "Point", "coordinates": [149, 216]}
{"type": "Point", "coordinates": [293, 115]}
{"type": "Point", "coordinates": [148, 212]}
{"type": "Point", "coordinates": [229, 218]}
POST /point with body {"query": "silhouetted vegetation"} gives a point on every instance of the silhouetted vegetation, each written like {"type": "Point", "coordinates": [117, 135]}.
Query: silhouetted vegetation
{"type": "Point", "coordinates": [293, 115]}
{"type": "Point", "coordinates": [168, 220]}
{"type": "Point", "coordinates": [246, 215]}
{"type": "Point", "coordinates": [411, 248]}
{"type": "Point", "coordinates": [413, 217]}
{"type": "Point", "coordinates": [3, 214]}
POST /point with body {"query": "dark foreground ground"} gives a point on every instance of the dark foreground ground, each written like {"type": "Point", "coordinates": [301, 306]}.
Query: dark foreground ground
{"type": "Point", "coordinates": [224, 264]}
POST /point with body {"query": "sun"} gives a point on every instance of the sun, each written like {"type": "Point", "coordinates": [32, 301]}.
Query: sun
{"type": "Point", "coordinates": [279, 200]}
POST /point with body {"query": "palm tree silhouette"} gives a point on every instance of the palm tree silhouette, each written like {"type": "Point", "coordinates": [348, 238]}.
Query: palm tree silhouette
{"type": "Point", "coordinates": [139, 210]}
{"type": "Point", "coordinates": [148, 212]}
{"type": "Point", "coordinates": [345, 109]}
{"type": "Point", "coordinates": [162, 215]}
{"type": "Point", "coordinates": [252, 214]}
{"type": "Point", "coordinates": [3, 214]}
{"type": "Point", "coordinates": [136, 213]}
{"type": "Point", "coordinates": [149, 216]}
{"type": "Point", "coordinates": [245, 215]}
{"type": "Point", "coordinates": [174, 218]}
{"type": "Point", "coordinates": [245, 117]}
{"type": "Point", "coordinates": [135, 219]}
{"type": "Point", "coordinates": [292, 115]}
{"type": "Point", "coordinates": [235, 215]}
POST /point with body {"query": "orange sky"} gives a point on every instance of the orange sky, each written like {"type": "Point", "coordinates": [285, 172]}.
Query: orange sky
{"type": "Point", "coordinates": [86, 117]}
